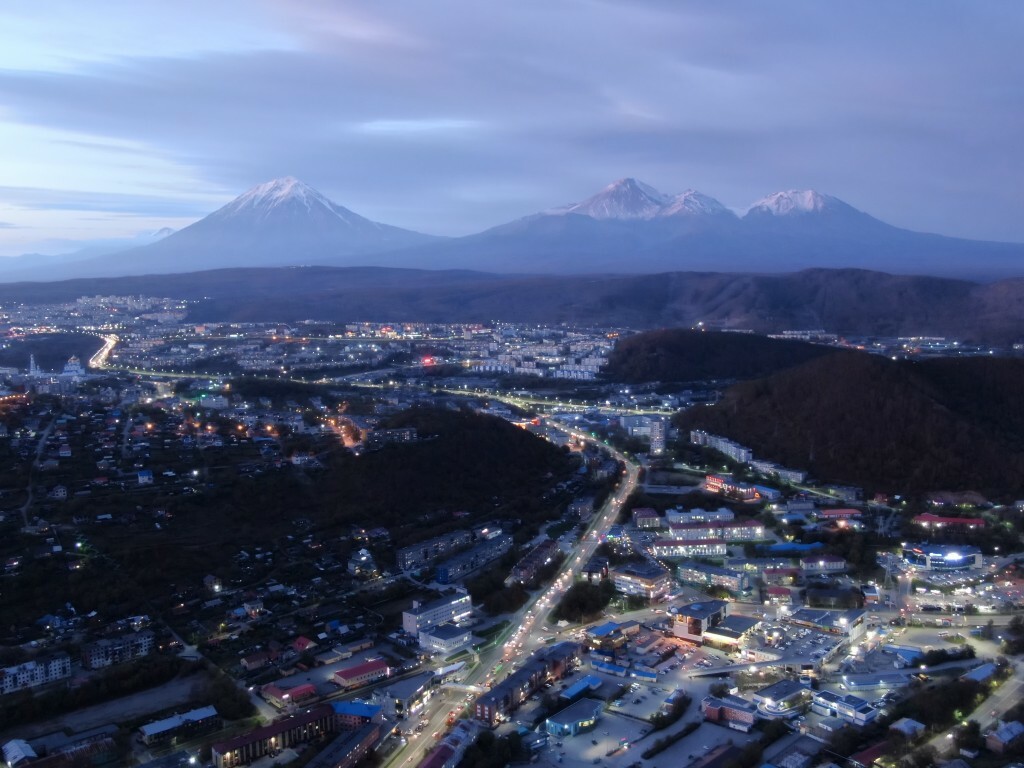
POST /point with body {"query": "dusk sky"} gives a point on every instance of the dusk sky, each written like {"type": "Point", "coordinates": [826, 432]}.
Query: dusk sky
{"type": "Point", "coordinates": [451, 116]}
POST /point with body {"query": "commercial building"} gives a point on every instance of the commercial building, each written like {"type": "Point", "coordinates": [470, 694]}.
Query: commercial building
{"type": "Point", "coordinates": [297, 729]}
{"type": "Point", "coordinates": [422, 554]}
{"type": "Point", "coordinates": [942, 557]}
{"type": "Point", "coordinates": [403, 698]}
{"type": "Point", "coordinates": [506, 697]}
{"type": "Point", "coordinates": [349, 715]}
{"type": "Point", "coordinates": [684, 548]}
{"type": "Point", "coordinates": [451, 608]}
{"type": "Point", "coordinates": [574, 719]}
{"type": "Point", "coordinates": [850, 624]}
{"type": "Point", "coordinates": [362, 674]}
{"type": "Point", "coordinates": [186, 724]}
{"type": "Point", "coordinates": [110, 651]}
{"type": "Point", "coordinates": [463, 564]}
{"type": "Point", "coordinates": [690, 622]}
{"type": "Point", "coordinates": [644, 579]}
{"type": "Point", "coordinates": [284, 696]}
{"type": "Point", "coordinates": [445, 638]}
{"type": "Point", "coordinates": [852, 709]}
{"type": "Point", "coordinates": [704, 576]}
{"type": "Point", "coordinates": [731, 711]}
{"type": "Point", "coordinates": [780, 697]}
{"type": "Point", "coordinates": [449, 753]}
{"type": "Point", "coordinates": [34, 673]}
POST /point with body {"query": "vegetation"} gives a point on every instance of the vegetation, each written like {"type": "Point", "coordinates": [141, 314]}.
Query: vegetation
{"type": "Point", "coordinates": [665, 742]}
{"type": "Point", "coordinates": [583, 601]}
{"type": "Point", "coordinates": [491, 751]}
{"type": "Point", "coordinates": [885, 425]}
{"type": "Point", "coordinates": [681, 354]}
{"type": "Point", "coordinates": [662, 720]}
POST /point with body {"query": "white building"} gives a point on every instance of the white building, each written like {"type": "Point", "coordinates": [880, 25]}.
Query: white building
{"type": "Point", "coordinates": [451, 608]}
{"type": "Point", "coordinates": [35, 673]}
{"type": "Point", "coordinates": [445, 638]}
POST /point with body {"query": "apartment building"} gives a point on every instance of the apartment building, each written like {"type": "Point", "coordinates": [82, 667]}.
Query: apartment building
{"type": "Point", "coordinates": [451, 608]}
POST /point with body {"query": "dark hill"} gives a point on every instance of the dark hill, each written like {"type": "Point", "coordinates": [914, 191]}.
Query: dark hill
{"type": "Point", "coordinates": [906, 426]}
{"type": "Point", "coordinates": [681, 354]}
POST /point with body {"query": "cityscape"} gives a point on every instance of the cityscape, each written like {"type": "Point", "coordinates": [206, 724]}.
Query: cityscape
{"type": "Point", "coordinates": [582, 384]}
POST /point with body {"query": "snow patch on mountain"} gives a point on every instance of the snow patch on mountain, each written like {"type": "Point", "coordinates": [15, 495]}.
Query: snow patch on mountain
{"type": "Point", "coordinates": [795, 202]}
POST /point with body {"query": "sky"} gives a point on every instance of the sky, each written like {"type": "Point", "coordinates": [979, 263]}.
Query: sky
{"type": "Point", "coordinates": [450, 116]}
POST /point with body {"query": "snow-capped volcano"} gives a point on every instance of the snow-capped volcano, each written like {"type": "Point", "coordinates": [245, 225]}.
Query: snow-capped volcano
{"type": "Point", "coordinates": [629, 199]}
{"type": "Point", "coordinates": [279, 223]}
{"type": "Point", "coordinates": [796, 202]}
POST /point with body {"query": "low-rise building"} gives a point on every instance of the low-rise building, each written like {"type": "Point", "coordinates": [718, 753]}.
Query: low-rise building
{"type": "Point", "coordinates": [813, 564]}
{"type": "Point", "coordinates": [698, 515]}
{"type": "Point", "coordinates": [731, 711]}
{"type": "Point", "coordinates": [780, 697]}
{"type": "Point", "coordinates": [645, 517]}
{"type": "Point", "coordinates": [282, 695]}
{"type": "Point", "coordinates": [187, 724]}
{"type": "Point", "coordinates": [1005, 736]}
{"type": "Point", "coordinates": [446, 638]}
{"type": "Point", "coordinates": [852, 709]}
{"type": "Point", "coordinates": [942, 557]}
{"type": "Point", "coordinates": [426, 552]}
{"type": "Point", "coordinates": [362, 674]}
{"type": "Point", "coordinates": [576, 718]}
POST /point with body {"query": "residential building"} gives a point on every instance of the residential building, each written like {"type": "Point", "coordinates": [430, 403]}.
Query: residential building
{"type": "Point", "coordinates": [732, 530]}
{"type": "Point", "coordinates": [644, 579]}
{"type": "Point", "coordinates": [582, 508]}
{"type": "Point", "coordinates": [426, 552]}
{"type": "Point", "coordinates": [734, 451]}
{"type": "Point", "coordinates": [283, 696]}
{"type": "Point", "coordinates": [704, 575]}
{"type": "Point", "coordinates": [31, 674]}
{"type": "Point", "coordinates": [909, 728]}
{"type": "Point", "coordinates": [658, 431]}
{"type": "Point", "coordinates": [852, 709]}
{"type": "Point", "coordinates": [690, 622]}
{"type": "Point", "coordinates": [350, 715]}
{"type": "Point", "coordinates": [449, 753]}
{"type": "Point", "coordinates": [297, 729]}
{"type": "Point", "coordinates": [577, 717]}
{"type": "Point", "coordinates": [731, 711]}
{"type": "Point", "coordinates": [526, 570]}
{"type": "Point", "coordinates": [844, 513]}
{"type": "Point", "coordinates": [685, 548]}
{"type": "Point", "coordinates": [645, 517]}
{"type": "Point", "coordinates": [187, 724]}
{"type": "Point", "coordinates": [109, 651]}
{"type": "Point", "coordinates": [506, 697]}
{"type": "Point", "coordinates": [362, 674]}
{"type": "Point", "coordinates": [451, 608]}
{"type": "Point", "coordinates": [378, 438]}
{"type": "Point", "coordinates": [813, 564]}
{"type": "Point", "coordinates": [698, 515]}
{"type": "Point", "coordinates": [349, 748]}
{"type": "Point", "coordinates": [463, 564]}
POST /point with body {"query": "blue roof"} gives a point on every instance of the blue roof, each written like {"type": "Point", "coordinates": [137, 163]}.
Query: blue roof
{"type": "Point", "coordinates": [357, 708]}
{"type": "Point", "coordinates": [794, 547]}
{"type": "Point", "coordinates": [603, 629]}
{"type": "Point", "coordinates": [590, 682]}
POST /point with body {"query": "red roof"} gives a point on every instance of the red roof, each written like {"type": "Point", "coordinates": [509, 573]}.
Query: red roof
{"type": "Point", "coordinates": [868, 756]}
{"type": "Point", "coordinates": [687, 542]}
{"type": "Point", "coordinates": [929, 519]}
{"type": "Point", "coordinates": [778, 591]}
{"type": "Point", "coordinates": [839, 513]}
{"type": "Point", "coordinates": [377, 665]}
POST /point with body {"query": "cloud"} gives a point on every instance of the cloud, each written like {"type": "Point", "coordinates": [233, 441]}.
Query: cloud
{"type": "Point", "coordinates": [8, 225]}
{"type": "Point", "coordinates": [37, 199]}
{"type": "Point", "coordinates": [454, 115]}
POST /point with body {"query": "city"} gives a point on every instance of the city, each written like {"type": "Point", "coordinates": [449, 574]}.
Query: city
{"type": "Point", "coordinates": [671, 594]}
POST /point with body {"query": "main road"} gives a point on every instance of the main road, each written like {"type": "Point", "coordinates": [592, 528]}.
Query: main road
{"type": "Point", "coordinates": [509, 647]}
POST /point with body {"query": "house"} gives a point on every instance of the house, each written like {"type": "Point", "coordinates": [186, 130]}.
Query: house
{"type": "Point", "coordinates": [302, 644]}
{"type": "Point", "coordinates": [1006, 736]}
{"type": "Point", "coordinates": [910, 729]}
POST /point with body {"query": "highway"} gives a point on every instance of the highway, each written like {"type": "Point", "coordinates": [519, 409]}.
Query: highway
{"type": "Point", "coordinates": [510, 645]}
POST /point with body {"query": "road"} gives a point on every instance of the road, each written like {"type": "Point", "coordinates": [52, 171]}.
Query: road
{"type": "Point", "coordinates": [511, 644]}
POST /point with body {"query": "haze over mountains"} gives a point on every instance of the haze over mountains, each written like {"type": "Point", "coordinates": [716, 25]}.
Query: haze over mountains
{"type": "Point", "coordinates": [626, 228]}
